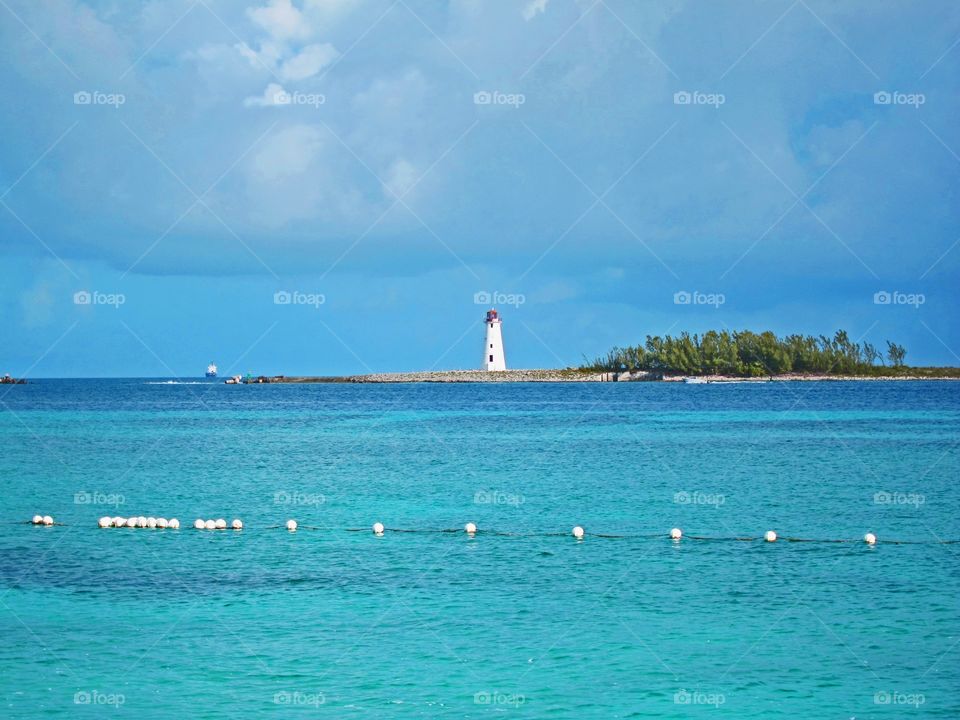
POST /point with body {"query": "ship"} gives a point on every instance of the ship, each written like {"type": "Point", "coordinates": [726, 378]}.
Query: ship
{"type": "Point", "coordinates": [211, 370]}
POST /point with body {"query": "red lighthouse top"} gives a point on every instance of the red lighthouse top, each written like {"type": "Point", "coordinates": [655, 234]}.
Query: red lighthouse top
{"type": "Point", "coordinates": [492, 315]}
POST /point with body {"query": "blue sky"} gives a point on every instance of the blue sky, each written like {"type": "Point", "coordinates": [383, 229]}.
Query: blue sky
{"type": "Point", "coordinates": [384, 162]}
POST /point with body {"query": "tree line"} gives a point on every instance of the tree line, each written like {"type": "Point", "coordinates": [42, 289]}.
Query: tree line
{"type": "Point", "coordinates": [748, 354]}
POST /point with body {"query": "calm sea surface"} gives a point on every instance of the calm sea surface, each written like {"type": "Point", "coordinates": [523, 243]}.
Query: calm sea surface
{"type": "Point", "coordinates": [520, 621]}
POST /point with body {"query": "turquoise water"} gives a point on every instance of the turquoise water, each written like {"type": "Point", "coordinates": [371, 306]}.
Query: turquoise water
{"type": "Point", "coordinates": [520, 621]}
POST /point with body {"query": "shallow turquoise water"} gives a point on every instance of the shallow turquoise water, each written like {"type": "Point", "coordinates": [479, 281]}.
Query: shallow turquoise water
{"type": "Point", "coordinates": [529, 623]}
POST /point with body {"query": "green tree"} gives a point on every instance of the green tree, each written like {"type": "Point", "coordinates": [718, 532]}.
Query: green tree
{"type": "Point", "coordinates": [896, 354]}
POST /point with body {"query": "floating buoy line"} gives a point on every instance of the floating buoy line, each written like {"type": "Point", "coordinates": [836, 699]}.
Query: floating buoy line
{"type": "Point", "coordinates": [470, 529]}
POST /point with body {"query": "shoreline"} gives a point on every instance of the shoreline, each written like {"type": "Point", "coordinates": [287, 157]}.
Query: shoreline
{"type": "Point", "coordinates": [569, 375]}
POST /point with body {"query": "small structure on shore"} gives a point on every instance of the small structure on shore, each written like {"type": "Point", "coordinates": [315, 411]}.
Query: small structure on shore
{"type": "Point", "coordinates": [493, 357]}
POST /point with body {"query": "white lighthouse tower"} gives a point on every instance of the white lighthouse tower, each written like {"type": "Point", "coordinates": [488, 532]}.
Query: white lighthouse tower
{"type": "Point", "coordinates": [493, 358]}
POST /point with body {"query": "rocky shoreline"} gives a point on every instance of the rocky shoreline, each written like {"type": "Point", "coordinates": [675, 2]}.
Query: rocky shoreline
{"type": "Point", "coordinates": [461, 376]}
{"type": "Point", "coordinates": [573, 375]}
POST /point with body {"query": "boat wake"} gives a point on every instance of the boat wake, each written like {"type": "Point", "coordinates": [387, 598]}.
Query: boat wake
{"type": "Point", "coordinates": [175, 382]}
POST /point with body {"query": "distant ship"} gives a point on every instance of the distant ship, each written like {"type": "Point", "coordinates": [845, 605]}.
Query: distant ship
{"type": "Point", "coordinates": [211, 370]}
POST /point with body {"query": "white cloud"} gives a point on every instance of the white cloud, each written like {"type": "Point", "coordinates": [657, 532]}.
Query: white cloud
{"type": "Point", "coordinates": [327, 10]}
{"type": "Point", "coordinates": [268, 55]}
{"type": "Point", "coordinates": [287, 153]}
{"type": "Point", "coordinates": [400, 177]}
{"type": "Point", "coordinates": [308, 62]}
{"type": "Point", "coordinates": [534, 8]}
{"type": "Point", "coordinates": [271, 96]}
{"type": "Point", "coordinates": [299, 174]}
{"type": "Point", "coordinates": [282, 20]}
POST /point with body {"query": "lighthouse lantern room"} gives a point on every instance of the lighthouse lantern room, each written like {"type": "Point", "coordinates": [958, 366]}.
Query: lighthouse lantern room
{"type": "Point", "coordinates": [493, 358]}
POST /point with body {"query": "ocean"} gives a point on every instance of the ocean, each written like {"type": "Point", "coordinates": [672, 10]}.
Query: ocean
{"type": "Point", "coordinates": [521, 620]}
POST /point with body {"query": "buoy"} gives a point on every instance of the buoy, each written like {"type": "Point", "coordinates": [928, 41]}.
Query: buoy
{"type": "Point", "coordinates": [198, 524]}
{"type": "Point", "coordinates": [162, 523]}
{"type": "Point", "coordinates": [119, 521]}
{"type": "Point", "coordinates": [210, 525]}
{"type": "Point", "coordinates": [37, 520]}
{"type": "Point", "coordinates": [47, 520]}
{"type": "Point", "coordinates": [378, 528]}
{"type": "Point", "coordinates": [578, 532]}
{"type": "Point", "coordinates": [105, 522]}
{"type": "Point", "coordinates": [770, 536]}
{"type": "Point", "coordinates": [221, 524]}
{"type": "Point", "coordinates": [141, 522]}
{"type": "Point", "coordinates": [676, 533]}
{"type": "Point", "coordinates": [470, 528]}
{"type": "Point", "coordinates": [291, 525]}
{"type": "Point", "coordinates": [870, 539]}
{"type": "Point", "coordinates": [131, 522]}
{"type": "Point", "coordinates": [151, 522]}
{"type": "Point", "coordinates": [174, 524]}
{"type": "Point", "coordinates": [236, 525]}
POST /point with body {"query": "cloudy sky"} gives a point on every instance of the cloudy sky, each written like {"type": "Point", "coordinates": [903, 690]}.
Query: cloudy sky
{"type": "Point", "coordinates": [334, 186]}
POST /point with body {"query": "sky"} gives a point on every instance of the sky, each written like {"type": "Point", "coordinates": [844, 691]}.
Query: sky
{"type": "Point", "coordinates": [345, 186]}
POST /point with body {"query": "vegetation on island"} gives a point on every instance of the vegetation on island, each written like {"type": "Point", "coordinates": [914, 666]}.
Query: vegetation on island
{"type": "Point", "coordinates": [748, 354]}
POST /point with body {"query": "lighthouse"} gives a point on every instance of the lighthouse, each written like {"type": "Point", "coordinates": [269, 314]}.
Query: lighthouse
{"type": "Point", "coordinates": [493, 345]}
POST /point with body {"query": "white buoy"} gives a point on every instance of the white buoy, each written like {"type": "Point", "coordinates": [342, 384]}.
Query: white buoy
{"type": "Point", "coordinates": [47, 520]}
{"type": "Point", "coordinates": [105, 522]}
{"type": "Point", "coordinates": [676, 533]}
{"type": "Point", "coordinates": [236, 525]}
{"type": "Point", "coordinates": [162, 523]}
{"type": "Point", "coordinates": [151, 522]}
{"type": "Point", "coordinates": [470, 528]}
{"type": "Point", "coordinates": [131, 522]}
{"type": "Point", "coordinates": [220, 524]}
{"type": "Point", "coordinates": [198, 524]}
{"type": "Point", "coordinates": [292, 525]}
{"type": "Point", "coordinates": [37, 520]}
{"type": "Point", "coordinates": [119, 521]}
{"type": "Point", "coordinates": [870, 539]}
{"type": "Point", "coordinates": [770, 536]}
{"type": "Point", "coordinates": [174, 524]}
{"type": "Point", "coordinates": [141, 521]}
{"type": "Point", "coordinates": [378, 528]}
{"type": "Point", "coordinates": [210, 525]}
{"type": "Point", "coordinates": [578, 532]}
